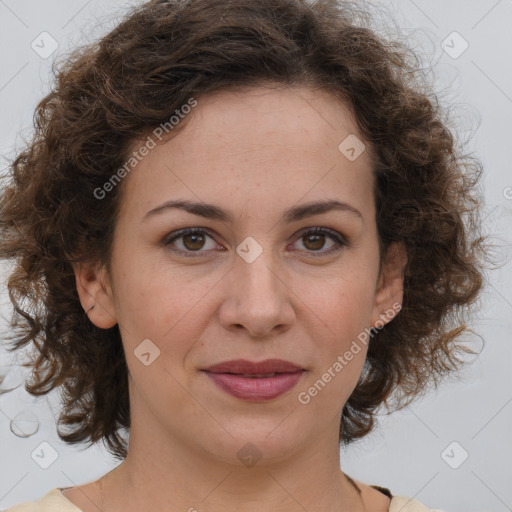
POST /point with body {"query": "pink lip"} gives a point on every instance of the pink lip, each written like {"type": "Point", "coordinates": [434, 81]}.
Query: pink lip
{"type": "Point", "coordinates": [233, 377]}
{"type": "Point", "coordinates": [252, 368]}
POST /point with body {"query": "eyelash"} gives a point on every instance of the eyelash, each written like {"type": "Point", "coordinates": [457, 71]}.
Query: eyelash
{"type": "Point", "coordinates": [340, 240]}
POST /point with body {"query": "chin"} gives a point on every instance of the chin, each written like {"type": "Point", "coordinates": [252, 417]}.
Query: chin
{"type": "Point", "coordinates": [263, 443]}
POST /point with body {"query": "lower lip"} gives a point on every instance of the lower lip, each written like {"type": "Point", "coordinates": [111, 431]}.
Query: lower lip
{"type": "Point", "coordinates": [256, 389]}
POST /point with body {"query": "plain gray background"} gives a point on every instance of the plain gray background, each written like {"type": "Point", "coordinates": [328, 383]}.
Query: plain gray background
{"type": "Point", "coordinates": [452, 449]}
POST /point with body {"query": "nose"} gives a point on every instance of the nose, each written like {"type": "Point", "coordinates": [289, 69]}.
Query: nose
{"type": "Point", "coordinates": [258, 298]}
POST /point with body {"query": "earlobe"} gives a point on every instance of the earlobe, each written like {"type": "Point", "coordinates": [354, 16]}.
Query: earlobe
{"type": "Point", "coordinates": [389, 293]}
{"type": "Point", "coordinates": [95, 295]}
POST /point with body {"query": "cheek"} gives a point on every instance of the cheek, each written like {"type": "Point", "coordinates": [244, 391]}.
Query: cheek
{"type": "Point", "coordinates": [345, 303]}
{"type": "Point", "coordinates": [341, 352]}
{"type": "Point", "coordinates": [345, 309]}
{"type": "Point", "coordinates": [352, 307]}
{"type": "Point", "coordinates": [160, 303]}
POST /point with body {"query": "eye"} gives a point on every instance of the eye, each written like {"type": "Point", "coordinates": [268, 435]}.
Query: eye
{"type": "Point", "coordinates": [314, 239]}
{"type": "Point", "coordinates": [193, 240]}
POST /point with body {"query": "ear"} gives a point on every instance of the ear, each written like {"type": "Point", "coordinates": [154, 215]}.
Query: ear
{"type": "Point", "coordinates": [390, 286]}
{"type": "Point", "coordinates": [93, 287]}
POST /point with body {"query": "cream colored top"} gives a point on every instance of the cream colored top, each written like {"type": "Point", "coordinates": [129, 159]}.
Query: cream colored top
{"type": "Point", "coordinates": [55, 501]}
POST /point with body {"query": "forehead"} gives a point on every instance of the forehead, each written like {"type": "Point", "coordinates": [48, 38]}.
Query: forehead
{"type": "Point", "coordinates": [254, 140]}
{"type": "Point", "coordinates": [271, 116]}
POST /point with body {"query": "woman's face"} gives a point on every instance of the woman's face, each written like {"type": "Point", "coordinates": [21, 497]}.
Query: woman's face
{"type": "Point", "coordinates": [254, 283]}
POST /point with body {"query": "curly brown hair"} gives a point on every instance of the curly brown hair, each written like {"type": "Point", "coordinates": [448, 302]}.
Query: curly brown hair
{"type": "Point", "coordinates": [114, 91]}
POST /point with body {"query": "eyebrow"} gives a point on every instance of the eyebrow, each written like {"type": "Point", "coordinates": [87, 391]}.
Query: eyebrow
{"type": "Point", "coordinates": [210, 211]}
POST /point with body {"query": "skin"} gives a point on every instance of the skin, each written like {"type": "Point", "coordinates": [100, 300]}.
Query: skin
{"type": "Point", "coordinates": [255, 152]}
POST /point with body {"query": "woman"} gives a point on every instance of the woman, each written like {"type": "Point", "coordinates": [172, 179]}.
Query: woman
{"type": "Point", "coordinates": [240, 228]}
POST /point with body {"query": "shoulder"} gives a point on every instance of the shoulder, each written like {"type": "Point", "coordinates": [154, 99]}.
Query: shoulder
{"type": "Point", "coordinates": [53, 501]}
{"type": "Point", "coordinates": [405, 504]}
{"type": "Point", "coordinates": [382, 499]}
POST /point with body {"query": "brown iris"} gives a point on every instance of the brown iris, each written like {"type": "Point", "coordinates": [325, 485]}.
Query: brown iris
{"type": "Point", "coordinates": [197, 241]}
{"type": "Point", "coordinates": [318, 241]}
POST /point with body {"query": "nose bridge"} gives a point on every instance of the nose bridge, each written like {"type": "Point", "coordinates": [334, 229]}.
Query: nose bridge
{"type": "Point", "coordinates": [256, 270]}
{"type": "Point", "coordinates": [259, 295]}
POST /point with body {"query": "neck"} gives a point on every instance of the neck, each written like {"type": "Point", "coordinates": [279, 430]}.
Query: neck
{"type": "Point", "coordinates": [179, 478]}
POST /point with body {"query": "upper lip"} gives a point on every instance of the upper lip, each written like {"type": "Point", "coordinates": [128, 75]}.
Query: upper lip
{"type": "Point", "coordinates": [242, 366]}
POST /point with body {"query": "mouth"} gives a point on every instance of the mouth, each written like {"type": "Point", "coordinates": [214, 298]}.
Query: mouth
{"type": "Point", "coordinates": [255, 381]}
{"type": "Point", "coordinates": [254, 376]}
{"type": "Point", "coordinates": [259, 369]}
